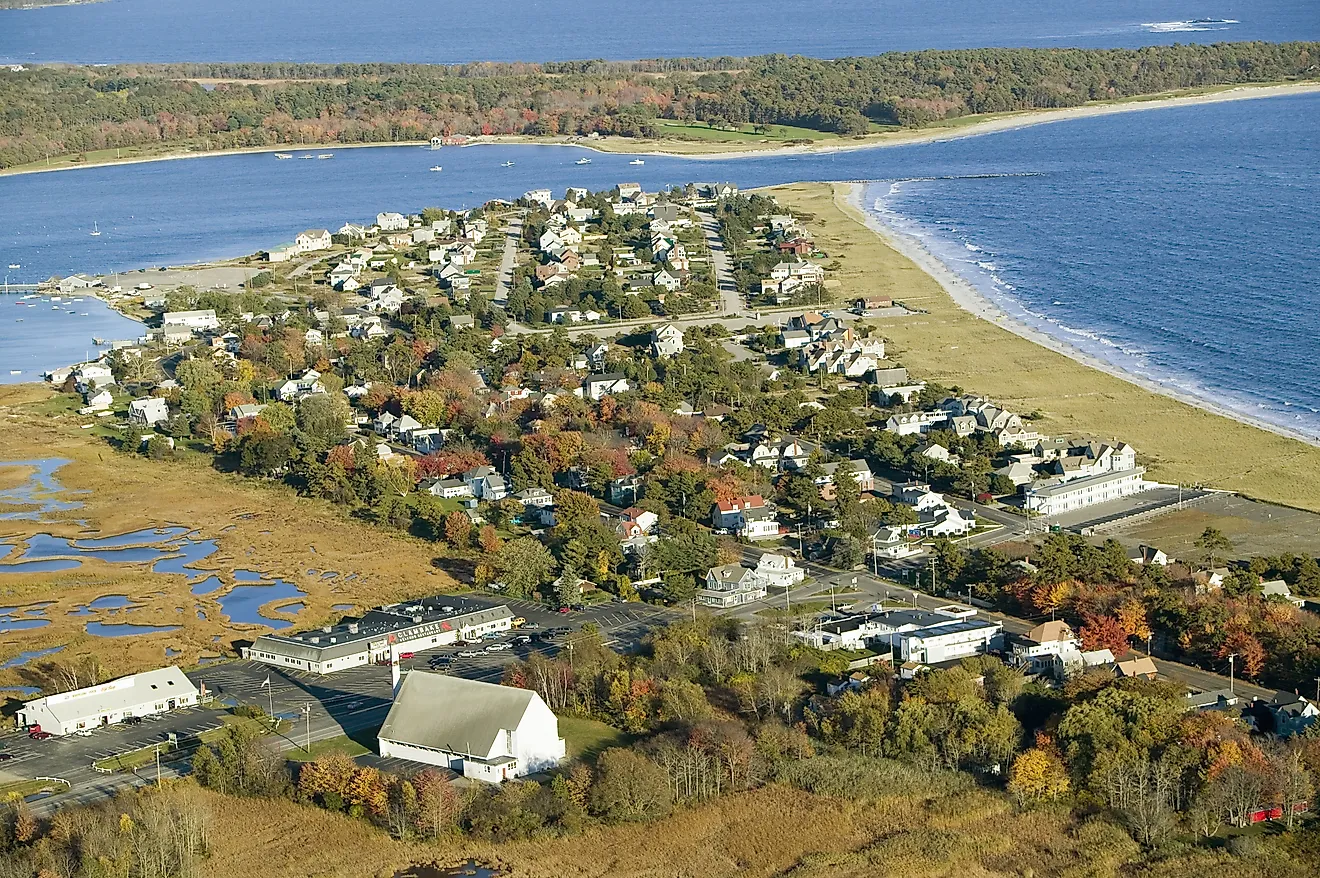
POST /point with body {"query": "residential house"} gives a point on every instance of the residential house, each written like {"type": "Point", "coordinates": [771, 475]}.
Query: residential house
{"type": "Point", "coordinates": [664, 279]}
{"type": "Point", "coordinates": [352, 231]}
{"type": "Point", "coordinates": [626, 489]}
{"type": "Point", "coordinates": [1147, 555]}
{"type": "Point", "coordinates": [597, 387]}
{"type": "Point", "coordinates": [730, 585]}
{"type": "Point", "coordinates": [634, 522]}
{"type": "Point", "coordinates": [749, 517]}
{"type": "Point", "coordinates": [312, 240]}
{"type": "Point", "coordinates": [1050, 647]}
{"type": "Point", "coordinates": [1291, 713]}
{"type": "Point", "coordinates": [198, 321]}
{"type": "Point", "coordinates": [914, 423]}
{"type": "Point", "coordinates": [779, 571]}
{"type": "Point", "coordinates": [486, 483]}
{"type": "Point", "coordinates": [861, 474]}
{"type": "Point", "coordinates": [666, 341]}
{"type": "Point", "coordinates": [1141, 666]}
{"type": "Point", "coordinates": [446, 488]}
{"type": "Point", "coordinates": [300, 388]}
{"type": "Point", "coordinates": [893, 541]}
{"type": "Point", "coordinates": [391, 222]}
{"type": "Point", "coordinates": [148, 412]}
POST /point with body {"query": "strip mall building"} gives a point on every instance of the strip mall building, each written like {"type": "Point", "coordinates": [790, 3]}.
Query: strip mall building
{"type": "Point", "coordinates": [410, 627]}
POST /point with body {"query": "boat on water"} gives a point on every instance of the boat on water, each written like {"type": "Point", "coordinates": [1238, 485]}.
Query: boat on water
{"type": "Point", "coordinates": [582, 162]}
{"type": "Point", "coordinates": [307, 156]}
{"type": "Point", "coordinates": [96, 232]}
{"type": "Point", "coordinates": [325, 155]}
{"type": "Point", "coordinates": [14, 265]}
{"type": "Point", "coordinates": [436, 168]}
{"type": "Point", "coordinates": [637, 162]}
{"type": "Point", "coordinates": [283, 155]}
{"type": "Point", "coordinates": [507, 165]}
{"type": "Point", "coordinates": [15, 371]}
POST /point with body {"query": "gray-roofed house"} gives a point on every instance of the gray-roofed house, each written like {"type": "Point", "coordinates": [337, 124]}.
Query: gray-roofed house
{"type": "Point", "coordinates": [483, 730]}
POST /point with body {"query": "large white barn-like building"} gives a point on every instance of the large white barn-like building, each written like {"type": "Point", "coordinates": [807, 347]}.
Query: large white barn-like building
{"type": "Point", "coordinates": [482, 730]}
{"type": "Point", "coordinates": [151, 692]}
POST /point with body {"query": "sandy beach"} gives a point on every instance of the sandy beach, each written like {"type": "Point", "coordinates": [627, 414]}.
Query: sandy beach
{"type": "Point", "coordinates": [715, 150]}
{"type": "Point", "coordinates": [967, 297]}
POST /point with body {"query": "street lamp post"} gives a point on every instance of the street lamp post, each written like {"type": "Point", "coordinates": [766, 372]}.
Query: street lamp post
{"type": "Point", "coordinates": [1231, 656]}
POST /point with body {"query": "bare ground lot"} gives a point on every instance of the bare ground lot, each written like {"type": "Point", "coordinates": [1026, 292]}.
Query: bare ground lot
{"type": "Point", "coordinates": [260, 527]}
{"type": "Point", "coordinates": [1254, 528]}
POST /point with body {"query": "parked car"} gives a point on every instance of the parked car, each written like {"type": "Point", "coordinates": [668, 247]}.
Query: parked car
{"type": "Point", "coordinates": [39, 735]}
{"type": "Point", "coordinates": [524, 638]}
{"type": "Point", "coordinates": [564, 610]}
{"type": "Point", "coordinates": [468, 654]}
{"type": "Point", "coordinates": [497, 647]}
{"type": "Point", "coordinates": [83, 733]}
{"type": "Point", "coordinates": [406, 655]}
{"type": "Point", "coordinates": [530, 625]}
{"type": "Point", "coordinates": [518, 622]}
{"type": "Point", "coordinates": [5, 757]}
{"type": "Point", "coordinates": [131, 721]}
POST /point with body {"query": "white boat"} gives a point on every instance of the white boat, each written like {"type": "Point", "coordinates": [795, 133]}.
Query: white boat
{"type": "Point", "coordinates": [505, 165]}
{"type": "Point", "coordinates": [582, 162]}
{"type": "Point", "coordinates": [437, 168]}
{"type": "Point", "coordinates": [636, 162]}
{"type": "Point", "coordinates": [15, 371]}
{"type": "Point", "coordinates": [283, 155]}
{"type": "Point", "coordinates": [307, 156]}
{"type": "Point", "coordinates": [96, 232]}
{"type": "Point", "coordinates": [325, 155]}
{"type": "Point", "coordinates": [14, 265]}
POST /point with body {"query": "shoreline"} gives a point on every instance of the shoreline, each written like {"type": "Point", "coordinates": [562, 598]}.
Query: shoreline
{"type": "Point", "coordinates": [968, 298]}
{"type": "Point", "coordinates": [632, 146]}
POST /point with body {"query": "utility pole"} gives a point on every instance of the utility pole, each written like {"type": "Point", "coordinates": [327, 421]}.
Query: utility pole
{"type": "Point", "coordinates": [157, 766]}
{"type": "Point", "coordinates": [1231, 656]}
{"type": "Point", "coordinates": [307, 745]}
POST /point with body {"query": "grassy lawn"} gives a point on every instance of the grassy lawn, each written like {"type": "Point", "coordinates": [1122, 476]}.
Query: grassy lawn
{"type": "Point", "coordinates": [341, 744]}
{"type": "Point", "coordinates": [1175, 441]}
{"type": "Point", "coordinates": [588, 738]}
{"type": "Point", "coordinates": [21, 789]}
{"type": "Point", "coordinates": [133, 759]}
{"type": "Point", "coordinates": [702, 131]}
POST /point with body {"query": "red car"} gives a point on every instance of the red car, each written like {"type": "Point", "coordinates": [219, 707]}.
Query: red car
{"type": "Point", "coordinates": [39, 735]}
{"type": "Point", "coordinates": [564, 610]}
{"type": "Point", "coordinates": [405, 655]}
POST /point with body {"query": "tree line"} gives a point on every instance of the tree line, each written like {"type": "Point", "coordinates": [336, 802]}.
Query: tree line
{"type": "Point", "coordinates": [70, 110]}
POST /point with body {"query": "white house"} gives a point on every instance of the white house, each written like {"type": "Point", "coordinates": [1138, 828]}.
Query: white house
{"type": "Point", "coordinates": [482, 730]}
{"type": "Point", "coordinates": [779, 571]}
{"type": "Point", "coordinates": [597, 387]}
{"type": "Point", "coordinates": [745, 516]}
{"type": "Point", "coordinates": [667, 340]}
{"type": "Point", "coordinates": [313, 239]}
{"type": "Point", "coordinates": [391, 222]}
{"type": "Point", "coordinates": [148, 412]}
{"type": "Point", "coordinates": [914, 423]}
{"type": "Point", "coordinates": [892, 541]}
{"type": "Point", "coordinates": [139, 695]}
{"type": "Point", "coordinates": [486, 483]}
{"type": "Point", "coordinates": [299, 388]}
{"type": "Point", "coordinates": [1050, 647]}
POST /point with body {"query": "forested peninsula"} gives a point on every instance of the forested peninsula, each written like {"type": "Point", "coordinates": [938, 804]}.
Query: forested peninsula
{"type": "Point", "coordinates": [62, 110]}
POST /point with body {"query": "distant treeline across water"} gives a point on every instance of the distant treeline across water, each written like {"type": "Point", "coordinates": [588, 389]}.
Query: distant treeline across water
{"type": "Point", "coordinates": [64, 110]}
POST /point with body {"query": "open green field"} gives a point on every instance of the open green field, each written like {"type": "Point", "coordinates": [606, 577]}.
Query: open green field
{"type": "Point", "coordinates": [588, 738]}
{"type": "Point", "coordinates": [746, 133]}
{"type": "Point", "coordinates": [342, 744]}
{"type": "Point", "coordinates": [1176, 441]}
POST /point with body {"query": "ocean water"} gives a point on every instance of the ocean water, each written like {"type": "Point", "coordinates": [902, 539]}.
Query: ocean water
{"type": "Point", "coordinates": [333, 31]}
{"type": "Point", "coordinates": [1177, 243]}
{"type": "Point", "coordinates": [37, 334]}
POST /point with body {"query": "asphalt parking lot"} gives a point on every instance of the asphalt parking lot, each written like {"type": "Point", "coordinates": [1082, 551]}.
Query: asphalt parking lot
{"type": "Point", "coordinates": [318, 707]}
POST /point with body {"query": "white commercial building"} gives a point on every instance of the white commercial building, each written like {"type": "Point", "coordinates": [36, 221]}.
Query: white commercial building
{"type": "Point", "coordinates": [201, 320]}
{"type": "Point", "coordinates": [142, 694]}
{"type": "Point", "coordinates": [482, 730]}
{"type": "Point", "coordinates": [1055, 496]}
{"type": "Point", "coordinates": [950, 641]}
{"type": "Point", "coordinates": [423, 624]}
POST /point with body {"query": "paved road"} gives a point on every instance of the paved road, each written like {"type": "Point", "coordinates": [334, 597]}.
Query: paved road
{"type": "Point", "coordinates": [512, 240]}
{"type": "Point", "coordinates": [730, 302]}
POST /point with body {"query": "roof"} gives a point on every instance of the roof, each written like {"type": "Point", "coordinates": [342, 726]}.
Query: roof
{"type": "Point", "coordinates": [349, 638]}
{"type": "Point", "coordinates": [454, 714]}
{"type": "Point", "coordinates": [1137, 667]}
{"type": "Point", "coordinates": [1050, 632]}
{"type": "Point", "coordinates": [1050, 489]}
{"type": "Point", "coordinates": [117, 695]}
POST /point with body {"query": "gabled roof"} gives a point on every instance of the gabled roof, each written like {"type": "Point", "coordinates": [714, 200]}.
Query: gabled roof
{"type": "Point", "coordinates": [454, 714]}
{"type": "Point", "coordinates": [1050, 632]}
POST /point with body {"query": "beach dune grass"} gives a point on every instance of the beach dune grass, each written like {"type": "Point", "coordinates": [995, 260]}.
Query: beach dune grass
{"type": "Point", "coordinates": [1178, 442]}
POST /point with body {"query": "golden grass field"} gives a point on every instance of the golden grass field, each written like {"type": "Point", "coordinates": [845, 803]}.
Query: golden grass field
{"type": "Point", "coordinates": [261, 527]}
{"type": "Point", "coordinates": [774, 831]}
{"type": "Point", "coordinates": [1176, 441]}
